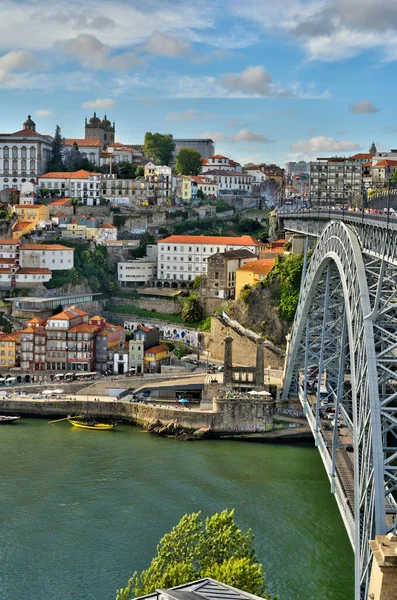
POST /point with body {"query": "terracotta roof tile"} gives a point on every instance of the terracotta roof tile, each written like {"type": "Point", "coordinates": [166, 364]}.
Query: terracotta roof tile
{"type": "Point", "coordinates": [82, 142]}
{"type": "Point", "coordinates": [244, 240]}
{"type": "Point", "coordinates": [259, 267]}
{"type": "Point", "coordinates": [41, 247]}
{"type": "Point", "coordinates": [157, 349]}
{"type": "Point", "coordinates": [82, 174]}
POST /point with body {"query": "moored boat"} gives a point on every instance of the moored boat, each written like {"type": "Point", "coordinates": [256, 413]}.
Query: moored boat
{"type": "Point", "coordinates": [91, 425]}
{"type": "Point", "coordinates": [6, 419]}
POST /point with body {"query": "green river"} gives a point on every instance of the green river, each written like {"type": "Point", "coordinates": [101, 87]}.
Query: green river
{"type": "Point", "coordinates": [81, 510]}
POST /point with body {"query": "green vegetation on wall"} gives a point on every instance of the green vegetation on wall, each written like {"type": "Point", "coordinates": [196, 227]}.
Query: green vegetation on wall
{"type": "Point", "coordinates": [288, 269]}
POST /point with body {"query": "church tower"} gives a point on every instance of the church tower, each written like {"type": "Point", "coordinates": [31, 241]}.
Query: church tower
{"type": "Point", "coordinates": [29, 124]}
{"type": "Point", "coordinates": [95, 129]}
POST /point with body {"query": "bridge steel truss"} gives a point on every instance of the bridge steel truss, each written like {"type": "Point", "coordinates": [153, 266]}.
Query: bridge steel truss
{"type": "Point", "coordinates": [346, 327]}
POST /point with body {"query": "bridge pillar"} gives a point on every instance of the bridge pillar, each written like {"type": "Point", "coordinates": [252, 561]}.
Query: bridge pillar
{"type": "Point", "coordinates": [383, 583]}
{"type": "Point", "coordinates": [260, 366]}
{"type": "Point", "coordinates": [228, 363]}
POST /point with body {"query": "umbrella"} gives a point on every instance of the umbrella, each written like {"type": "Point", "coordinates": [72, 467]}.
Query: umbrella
{"type": "Point", "coordinates": [262, 393]}
{"type": "Point", "coordinates": [46, 392]}
{"type": "Point", "coordinates": [11, 379]}
{"type": "Point", "coordinates": [183, 401]}
{"type": "Point", "coordinates": [57, 391]}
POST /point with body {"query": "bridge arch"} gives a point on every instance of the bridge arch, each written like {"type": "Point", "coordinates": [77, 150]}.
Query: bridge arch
{"type": "Point", "coordinates": [334, 330]}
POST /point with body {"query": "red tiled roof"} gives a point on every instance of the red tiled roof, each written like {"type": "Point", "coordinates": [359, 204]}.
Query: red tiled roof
{"type": "Point", "coordinates": [362, 155]}
{"type": "Point", "coordinates": [60, 202]}
{"type": "Point", "coordinates": [82, 142]}
{"type": "Point", "coordinates": [41, 247]}
{"type": "Point", "coordinates": [244, 240]}
{"type": "Point", "coordinates": [7, 261]}
{"type": "Point", "coordinates": [156, 349]}
{"type": "Point", "coordinates": [28, 132]}
{"type": "Point", "coordinates": [7, 270]}
{"type": "Point", "coordinates": [226, 173]}
{"type": "Point", "coordinates": [82, 174]}
{"type": "Point", "coordinates": [259, 267]}
{"type": "Point", "coordinates": [84, 328]}
{"type": "Point", "coordinates": [33, 271]}
{"type": "Point", "coordinates": [107, 226]}
{"type": "Point", "coordinates": [8, 242]}
{"type": "Point", "coordinates": [367, 164]}
{"type": "Point", "coordinates": [20, 226]}
{"type": "Point", "coordinates": [386, 163]}
{"type": "Point", "coordinates": [29, 205]}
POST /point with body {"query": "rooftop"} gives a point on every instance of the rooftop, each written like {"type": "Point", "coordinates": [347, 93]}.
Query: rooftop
{"type": "Point", "coordinates": [203, 589]}
{"type": "Point", "coordinates": [258, 267]}
{"type": "Point", "coordinates": [237, 254]}
{"type": "Point", "coordinates": [82, 174]}
{"type": "Point", "coordinates": [60, 202]}
{"type": "Point", "coordinates": [82, 142]}
{"type": "Point", "coordinates": [41, 247]}
{"type": "Point", "coordinates": [157, 349]}
{"type": "Point", "coordinates": [244, 240]}
{"type": "Point", "coordinates": [227, 173]}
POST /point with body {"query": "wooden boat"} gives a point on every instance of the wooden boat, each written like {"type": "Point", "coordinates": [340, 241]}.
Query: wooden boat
{"type": "Point", "coordinates": [6, 420]}
{"type": "Point", "coordinates": [90, 425]}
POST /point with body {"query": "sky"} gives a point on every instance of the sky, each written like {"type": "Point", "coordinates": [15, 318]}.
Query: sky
{"type": "Point", "coordinates": [268, 81]}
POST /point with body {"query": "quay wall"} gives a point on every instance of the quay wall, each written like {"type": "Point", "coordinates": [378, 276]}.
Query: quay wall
{"type": "Point", "coordinates": [229, 417]}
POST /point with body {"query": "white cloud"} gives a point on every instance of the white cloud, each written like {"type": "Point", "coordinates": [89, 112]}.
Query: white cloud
{"type": "Point", "coordinates": [249, 136]}
{"type": "Point", "coordinates": [99, 103]}
{"type": "Point", "coordinates": [93, 54]}
{"type": "Point", "coordinates": [43, 112]}
{"type": "Point", "coordinates": [323, 144]}
{"type": "Point", "coordinates": [217, 136]}
{"type": "Point", "coordinates": [363, 107]}
{"type": "Point", "coordinates": [187, 115]}
{"type": "Point", "coordinates": [255, 81]}
{"type": "Point", "coordinates": [328, 30]}
{"type": "Point", "coordinates": [167, 45]}
{"type": "Point", "coordinates": [18, 60]}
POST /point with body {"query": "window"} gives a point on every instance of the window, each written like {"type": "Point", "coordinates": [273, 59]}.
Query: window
{"type": "Point", "coordinates": [32, 165]}
{"type": "Point", "coordinates": [216, 275]}
{"type": "Point", "coordinates": [32, 152]}
{"type": "Point", "coordinates": [6, 152]}
{"type": "Point", "coordinates": [15, 165]}
{"type": "Point", "coordinates": [23, 165]}
{"type": "Point", "coordinates": [15, 152]}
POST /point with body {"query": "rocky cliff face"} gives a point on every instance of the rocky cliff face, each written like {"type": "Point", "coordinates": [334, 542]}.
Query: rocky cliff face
{"type": "Point", "coordinates": [260, 313]}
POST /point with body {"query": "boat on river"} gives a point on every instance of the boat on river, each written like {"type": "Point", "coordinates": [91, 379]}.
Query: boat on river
{"type": "Point", "coordinates": [7, 420]}
{"type": "Point", "coordinates": [89, 424]}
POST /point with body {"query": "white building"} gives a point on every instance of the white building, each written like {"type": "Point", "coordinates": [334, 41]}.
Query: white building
{"type": "Point", "coordinates": [90, 149]}
{"type": "Point", "coordinates": [335, 178]}
{"type": "Point", "coordinates": [219, 162]}
{"type": "Point", "coordinates": [106, 232]}
{"type": "Point", "coordinates": [294, 168]}
{"type": "Point", "coordinates": [74, 185]}
{"type": "Point", "coordinates": [50, 256]}
{"type": "Point", "coordinates": [139, 272]}
{"type": "Point", "coordinates": [231, 180]}
{"type": "Point", "coordinates": [257, 173]}
{"type": "Point", "coordinates": [117, 153]}
{"type": "Point", "coordinates": [182, 257]}
{"type": "Point", "coordinates": [206, 185]}
{"type": "Point", "coordinates": [24, 155]}
{"type": "Point", "coordinates": [159, 178]}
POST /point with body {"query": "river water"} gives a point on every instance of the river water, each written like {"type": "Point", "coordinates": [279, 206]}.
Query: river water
{"type": "Point", "coordinates": [81, 510]}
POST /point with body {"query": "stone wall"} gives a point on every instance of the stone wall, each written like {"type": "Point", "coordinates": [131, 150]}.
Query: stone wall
{"type": "Point", "coordinates": [244, 348]}
{"type": "Point", "coordinates": [162, 305]}
{"type": "Point", "coordinates": [230, 416]}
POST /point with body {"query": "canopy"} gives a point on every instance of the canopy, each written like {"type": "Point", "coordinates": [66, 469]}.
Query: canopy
{"type": "Point", "coordinates": [11, 379]}
{"type": "Point", "coordinates": [47, 392]}
{"type": "Point", "coordinates": [59, 375]}
{"type": "Point", "coordinates": [57, 391]}
{"type": "Point", "coordinates": [183, 400]}
{"type": "Point", "coordinates": [262, 393]}
{"type": "Point", "coordinates": [2, 379]}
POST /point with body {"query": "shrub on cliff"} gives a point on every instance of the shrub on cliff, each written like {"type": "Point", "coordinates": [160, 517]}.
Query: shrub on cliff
{"type": "Point", "coordinates": [193, 549]}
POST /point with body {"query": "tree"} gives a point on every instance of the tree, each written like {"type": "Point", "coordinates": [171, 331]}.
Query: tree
{"type": "Point", "coordinates": [56, 162]}
{"type": "Point", "coordinates": [373, 148]}
{"type": "Point", "coordinates": [77, 201]}
{"type": "Point", "coordinates": [73, 159]}
{"type": "Point", "coordinates": [188, 162]}
{"type": "Point", "coordinates": [192, 310]}
{"type": "Point", "coordinates": [139, 172]}
{"type": "Point", "coordinates": [73, 276]}
{"type": "Point", "coordinates": [180, 351]}
{"type": "Point", "coordinates": [200, 194]}
{"type": "Point", "coordinates": [126, 170]}
{"type": "Point", "coordinates": [193, 549]}
{"type": "Point", "coordinates": [160, 148]}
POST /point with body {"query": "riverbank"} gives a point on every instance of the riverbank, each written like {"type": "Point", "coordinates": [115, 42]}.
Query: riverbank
{"type": "Point", "coordinates": [188, 423]}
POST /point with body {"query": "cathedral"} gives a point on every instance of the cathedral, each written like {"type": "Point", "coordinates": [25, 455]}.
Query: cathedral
{"type": "Point", "coordinates": [95, 129]}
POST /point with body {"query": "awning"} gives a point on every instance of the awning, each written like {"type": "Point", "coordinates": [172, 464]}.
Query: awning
{"type": "Point", "coordinates": [11, 379]}
{"type": "Point", "coordinates": [262, 393]}
{"type": "Point", "coordinates": [57, 391]}
{"type": "Point", "coordinates": [59, 375]}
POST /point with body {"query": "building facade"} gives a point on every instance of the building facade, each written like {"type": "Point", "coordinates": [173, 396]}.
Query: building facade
{"type": "Point", "coordinates": [103, 130]}
{"type": "Point", "coordinates": [229, 181]}
{"type": "Point", "coordinates": [221, 273]}
{"type": "Point", "coordinates": [205, 146]}
{"type": "Point", "coordinates": [90, 149]}
{"type": "Point", "coordinates": [218, 162]}
{"type": "Point", "coordinates": [335, 178]}
{"type": "Point", "coordinates": [182, 257]}
{"type": "Point", "coordinates": [253, 272]}
{"type": "Point", "coordinates": [137, 273]}
{"type": "Point", "coordinates": [24, 155]}
{"type": "Point", "coordinates": [80, 184]}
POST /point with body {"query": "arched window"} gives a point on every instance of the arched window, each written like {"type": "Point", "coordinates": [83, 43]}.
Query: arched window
{"type": "Point", "coordinates": [32, 152]}
{"type": "Point", "coordinates": [6, 165]}
{"type": "Point", "coordinates": [15, 165]}
{"type": "Point", "coordinates": [23, 164]}
{"type": "Point", "coordinates": [14, 152]}
{"type": "Point", "coordinates": [23, 152]}
{"type": "Point", "coordinates": [32, 165]}
{"type": "Point", "coordinates": [6, 152]}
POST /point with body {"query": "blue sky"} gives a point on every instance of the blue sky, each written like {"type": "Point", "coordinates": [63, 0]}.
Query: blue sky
{"type": "Point", "coordinates": [268, 81]}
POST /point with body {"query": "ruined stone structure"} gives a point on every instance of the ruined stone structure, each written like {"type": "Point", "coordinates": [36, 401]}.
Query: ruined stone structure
{"type": "Point", "coordinates": [244, 378]}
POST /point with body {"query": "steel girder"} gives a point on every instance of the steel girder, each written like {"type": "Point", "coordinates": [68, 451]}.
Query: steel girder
{"type": "Point", "coordinates": [346, 324]}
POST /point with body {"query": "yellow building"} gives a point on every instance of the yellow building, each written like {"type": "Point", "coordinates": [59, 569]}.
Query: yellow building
{"type": "Point", "coordinates": [28, 215]}
{"type": "Point", "coordinates": [252, 272]}
{"type": "Point", "coordinates": [9, 350]}
{"type": "Point", "coordinates": [154, 357]}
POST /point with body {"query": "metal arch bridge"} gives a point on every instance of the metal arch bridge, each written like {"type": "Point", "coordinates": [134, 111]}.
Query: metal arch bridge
{"type": "Point", "coordinates": [345, 334]}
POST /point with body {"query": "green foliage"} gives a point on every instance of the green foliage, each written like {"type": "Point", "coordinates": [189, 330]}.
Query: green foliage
{"type": "Point", "coordinates": [159, 147]}
{"type": "Point", "coordinates": [149, 314]}
{"type": "Point", "coordinates": [73, 276]}
{"type": "Point", "coordinates": [126, 170]}
{"type": "Point", "coordinates": [200, 194]}
{"type": "Point", "coordinates": [3, 214]}
{"type": "Point", "coordinates": [206, 325]}
{"type": "Point", "coordinates": [56, 161]}
{"type": "Point", "coordinates": [188, 162]}
{"type": "Point", "coordinates": [119, 220]}
{"type": "Point", "coordinates": [289, 271]}
{"type": "Point", "coordinates": [247, 225]}
{"type": "Point", "coordinates": [193, 549]}
{"type": "Point", "coordinates": [245, 293]}
{"type": "Point", "coordinates": [170, 345]}
{"type": "Point", "coordinates": [192, 310]}
{"type": "Point", "coordinates": [197, 282]}
{"type": "Point", "coordinates": [373, 148]}
{"type": "Point", "coordinates": [139, 172]}
{"type": "Point", "coordinates": [180, 351]}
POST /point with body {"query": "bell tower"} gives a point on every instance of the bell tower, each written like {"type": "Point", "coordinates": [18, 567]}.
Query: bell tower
{"type": "Point", "coordinates": [95, 129]}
